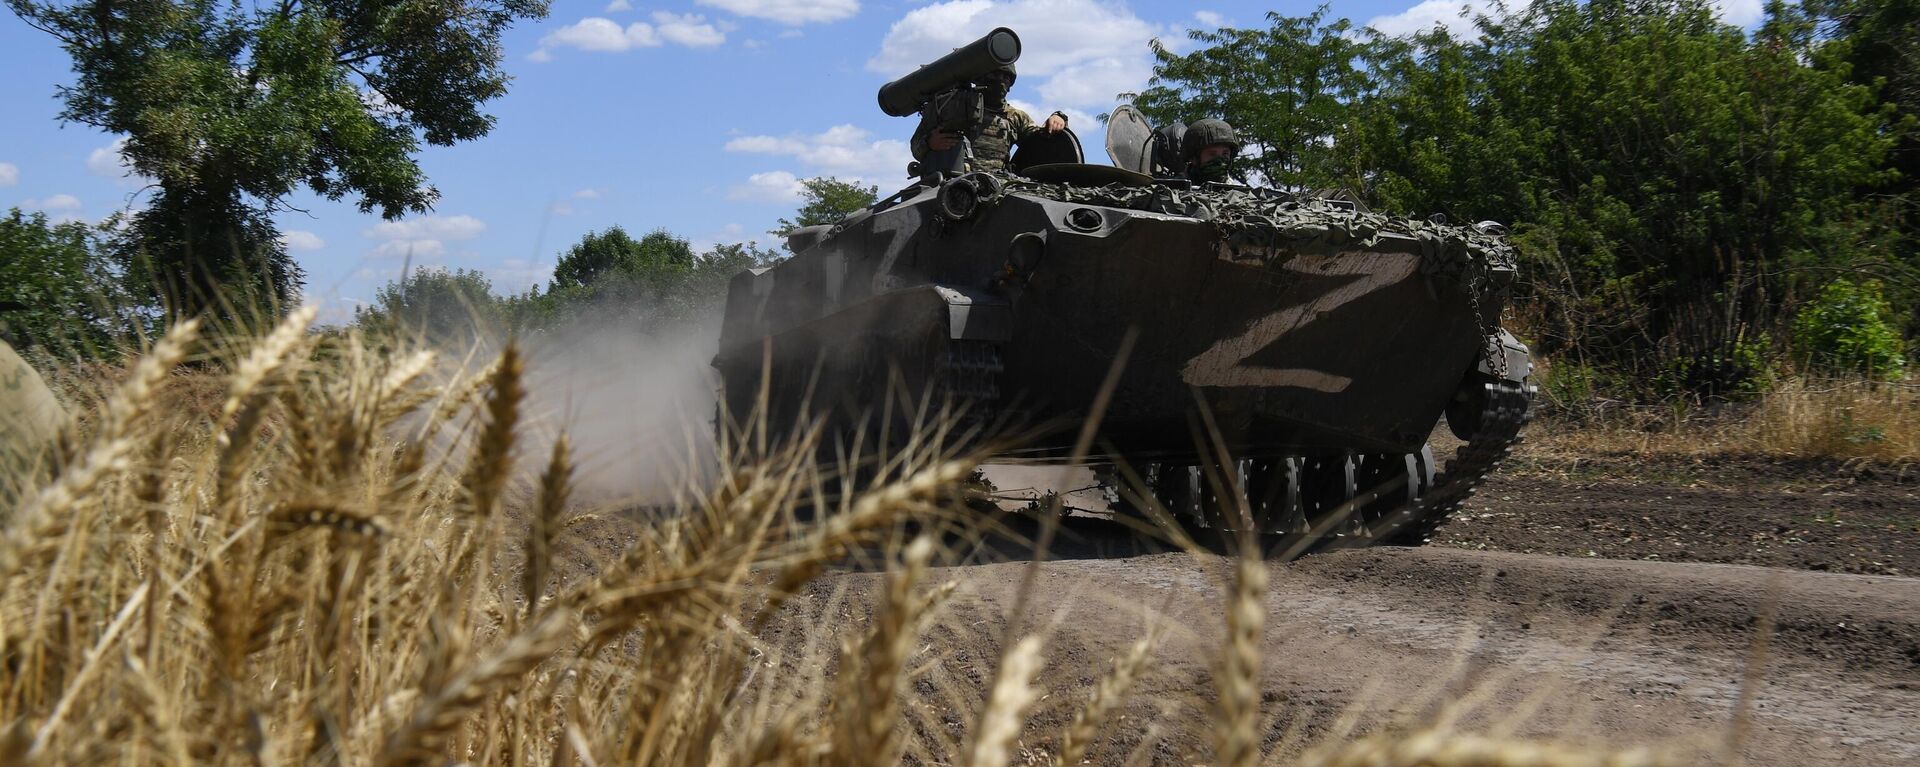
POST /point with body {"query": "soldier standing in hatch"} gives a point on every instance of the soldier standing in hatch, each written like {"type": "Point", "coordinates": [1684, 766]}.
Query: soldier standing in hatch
{"type": "Point", "coordinates": [1209, 148]}
{"type": "Point", "coordinates": [1008, 125]}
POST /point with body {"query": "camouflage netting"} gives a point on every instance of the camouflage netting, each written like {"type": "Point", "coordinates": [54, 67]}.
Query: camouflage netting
{"type": "Point", "coordinates": [1265, 224]}
{"type": "Point", "coordinates": [1260, 221]}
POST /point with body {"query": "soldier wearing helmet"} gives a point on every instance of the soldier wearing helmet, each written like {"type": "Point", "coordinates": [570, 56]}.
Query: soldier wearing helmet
{"type": "Point", "coordinates": [1006, 126]}
{"type": "Point", "coordinates": [1209, 147]}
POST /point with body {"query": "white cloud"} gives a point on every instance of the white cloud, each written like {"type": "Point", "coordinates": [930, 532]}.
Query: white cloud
{"type": "Point", "coordinates": [789, 11]}
{"type": "Point", "coordinates": [565, 207]}
{"type": "Point", "coordinates": [59, 203]}
{"type": "Point", "coordinates": [1064, 40]}
{"type": "Point", "coordinates": [429, 227]}
{"type": "Point", "coordinates": [617, 6]}
{"type": "Point", "coordinates": [597, 34]}
{"type": "Point", "coordinates": [516, 275]}
{"type": "Point", "coordinates": [110, 161]}
{"type": "Point", "coordinates": [1210, 19]}
{"type": "Point", "coordinates": [377, 102]}
{"type": "Point", "coordinates": [788, 34]}
{"type": "Point", "coordinates": [1095, 83]}
{"type": "Point", "coordinates": [296, 239]}
{"type": "Point", "coordinates": [1742, 13]}
{"type": "Point", "coordinates": [422, 238]}
{"type": "Point", "coordinates": [9, 175]}
{"type": "Point", "coordinates": [1435, 13]}
{"type": "Point", "coordinates": [728, 234]}
{"type": "Point", "coordinates": [418, 250]}
{"type": "Point", "coordinates": [687, 29]}
{"type": "Point", "coordinates": [607, 36]}
{"type": "Point", "coordinates": [772, 186]}
{"type": "Point", "coordinates": [1457, 15]}
{"type": "Point", "coordinates": [846, 151]}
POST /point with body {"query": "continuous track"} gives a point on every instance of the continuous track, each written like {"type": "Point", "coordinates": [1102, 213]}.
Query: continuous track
{"type": "Point", "coordinates": [1395, 499]}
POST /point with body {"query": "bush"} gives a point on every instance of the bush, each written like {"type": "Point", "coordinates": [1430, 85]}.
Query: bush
{"type": "Point", "coordinates": [1571, 390]}
{"type": "Point", "coordinates": [1736, 369]}
{"type": "Point", "coordinates": [1845, 329]}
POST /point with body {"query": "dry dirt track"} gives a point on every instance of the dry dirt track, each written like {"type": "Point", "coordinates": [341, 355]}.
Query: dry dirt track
{"type": "Point", "coordinates": [1615, 651]}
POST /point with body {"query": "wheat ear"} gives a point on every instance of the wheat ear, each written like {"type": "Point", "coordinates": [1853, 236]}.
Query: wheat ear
{"type": "Point", "coordinates": [872, 511]}
{"type": "Point", "coordinates": [244, 408]}
{"type": "Point", "coordinates": [492, 458]}
{"type": "Point", "coordinates": [1442, 748]}
{"type": "Point", "coordinates": [113, 445]}
{"type": "Point", "coordinates": [444, 710]}
{"type": "Point", "coordinates": [1236, 736]}
{"type": "Point", "coordinates": [1006, 710]}
{"type": "Point", "coordinates": [556, 484]}
{"type": "Point", "coordinates": [871, 722]}
{"type": "Point", "coordinates": [1107, 696]}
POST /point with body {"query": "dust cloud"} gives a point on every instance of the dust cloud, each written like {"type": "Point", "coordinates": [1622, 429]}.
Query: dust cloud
{"type": "Point", "coordinates": [637, 406]}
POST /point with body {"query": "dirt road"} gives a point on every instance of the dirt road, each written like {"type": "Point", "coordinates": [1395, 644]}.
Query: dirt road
{"type": "Point", "coordinates": [1563, 645]}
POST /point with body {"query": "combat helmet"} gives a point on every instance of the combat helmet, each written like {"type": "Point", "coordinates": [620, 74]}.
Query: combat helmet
{"type": "Point", "coordinates": [1206, 132]}
{"type": "Point", "coordinates": [1012, 73]}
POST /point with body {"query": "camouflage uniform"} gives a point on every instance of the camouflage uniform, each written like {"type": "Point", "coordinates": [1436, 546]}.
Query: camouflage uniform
{"type": "Point", "coordinates": [992, 147]}
{"type": "Point", "coordinates": [29, 419]}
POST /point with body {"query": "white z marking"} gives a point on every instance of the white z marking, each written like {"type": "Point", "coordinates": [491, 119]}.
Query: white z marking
{"type": "Point", "coordinates": [1225, 363]}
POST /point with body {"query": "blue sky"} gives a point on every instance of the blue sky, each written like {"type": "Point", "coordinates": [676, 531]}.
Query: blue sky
{"type": "Point", "coordinates": [699, 116]}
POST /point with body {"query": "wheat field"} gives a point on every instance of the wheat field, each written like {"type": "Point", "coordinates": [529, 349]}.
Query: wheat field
{"type": "Point", "coordinates": [332, 561]}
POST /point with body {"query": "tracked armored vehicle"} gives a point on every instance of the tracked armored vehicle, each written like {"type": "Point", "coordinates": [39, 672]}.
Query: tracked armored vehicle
{"type": "Point", "coordinates": [1321, 342]}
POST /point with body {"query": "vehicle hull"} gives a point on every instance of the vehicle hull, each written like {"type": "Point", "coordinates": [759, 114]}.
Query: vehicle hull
{"type": "Point", "coordinates": [1323, 344]}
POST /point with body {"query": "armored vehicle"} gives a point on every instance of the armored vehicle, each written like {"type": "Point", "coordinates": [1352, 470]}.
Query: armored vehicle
{"type": "Point", "coordinates": [1316, 343]}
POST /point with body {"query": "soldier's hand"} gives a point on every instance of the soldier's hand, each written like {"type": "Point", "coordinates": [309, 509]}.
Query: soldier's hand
{"type": "Point", "coordinates": [942, 140]}
{"type": "Point", "coordinates": [1056, 123]}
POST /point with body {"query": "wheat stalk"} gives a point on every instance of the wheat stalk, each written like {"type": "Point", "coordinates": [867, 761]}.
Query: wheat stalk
{"type": "Point", "coordinates": [113, 446]}
{"type": "Point", "coordinates": [1441, 748]}
{"type": "Point", "coordinates": [544, 524]}
{"type": "Point", "coordinates": [492, 457]}
{"type": "Point", "coordinates": [243, 409]}
{"type": "Point", "coordinates": [870, 716]}
{"type": "Point", "coordinates": [1236, 730]}
{"type": "Point", "coordinates": [442, 710]}
{"type": "Point", "coordinates": [1107, 695]}
{"type": "Point", "coordinates": [1006, 710]}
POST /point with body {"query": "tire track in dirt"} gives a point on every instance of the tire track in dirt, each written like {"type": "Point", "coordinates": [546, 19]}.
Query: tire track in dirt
{"type": "Point", "coordinates": [1615, 652]}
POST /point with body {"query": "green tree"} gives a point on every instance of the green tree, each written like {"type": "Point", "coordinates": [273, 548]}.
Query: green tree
{"type": "Point", "coordinates": [826, 200]}
{"type": "Point", "coordinates": [229, 108]}
{"type": "Point", "coordinates": [1876, 43]}
{"type": "Point", "coordinates": [454, 308]}
{"type": "Point", "coordinates": [1285, 89]}
{"type": "Point", "coordinates": [1672, 182]}
{"type": "Point", "coordinates": [58, 288]}
{"type": "Point", "coordinates": [613, 254]}
{"type": "Point", "coordinates": [654, 285]}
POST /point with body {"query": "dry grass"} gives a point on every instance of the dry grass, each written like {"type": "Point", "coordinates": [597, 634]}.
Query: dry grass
{"type": "Point", "coordinates": [334, 565]}
{"type": "Point", "coordinates": [1802, 418]}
